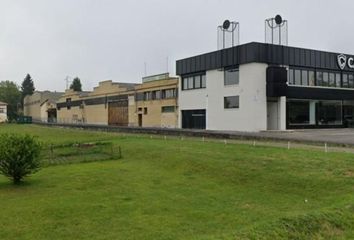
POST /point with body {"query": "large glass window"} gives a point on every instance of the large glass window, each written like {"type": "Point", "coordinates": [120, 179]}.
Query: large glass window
{"type": "Point", "coordinates": [232, 102]}
{"type": "Point", "coordinates": [299, 113]}
{"type": "Point", "coordinates": [312, 80]}
{"type": "Point", "coordinates": [319, 78]}
{"type": "Point", "coordinates": [329, 112]}
{"type": "Point", "coordinates": [231, 76]}
{"type": "Point", "coordinates": [332, 80]}
{"type": "Point", "coordinates": [194, 82]}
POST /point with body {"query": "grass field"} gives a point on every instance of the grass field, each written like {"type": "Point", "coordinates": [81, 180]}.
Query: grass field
{"type": "Point", "coordinates": [173, 189]}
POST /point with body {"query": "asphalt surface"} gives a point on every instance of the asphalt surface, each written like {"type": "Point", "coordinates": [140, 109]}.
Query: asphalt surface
{"type": "Point", "coordinates": [340, 136]}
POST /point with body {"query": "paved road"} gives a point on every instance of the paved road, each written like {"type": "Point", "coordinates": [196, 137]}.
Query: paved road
{"type": "Point", "coordinates": [341, 136]}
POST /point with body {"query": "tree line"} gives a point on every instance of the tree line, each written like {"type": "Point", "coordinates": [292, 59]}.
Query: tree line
{"type": "Point", "coordinates": [14, 95]}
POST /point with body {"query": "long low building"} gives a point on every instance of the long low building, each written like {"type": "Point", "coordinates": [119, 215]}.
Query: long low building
{"type": "Point", "coordinates": [258, 86]}
{"type": "Point", "coordinates": [150, 104]}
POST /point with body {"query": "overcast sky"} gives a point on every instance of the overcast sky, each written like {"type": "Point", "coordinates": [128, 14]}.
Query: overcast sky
{"type": "Point", "coordinates": [111, 39]}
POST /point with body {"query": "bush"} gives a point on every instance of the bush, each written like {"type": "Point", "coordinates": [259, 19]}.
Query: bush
{"type": "Point", "coordinates": [19, 156]}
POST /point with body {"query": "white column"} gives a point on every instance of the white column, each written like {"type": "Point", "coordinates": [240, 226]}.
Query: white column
{"type": "Point", "coordinates": [312, 112]}
{"type": "Point", "coordinates": [282, 113]}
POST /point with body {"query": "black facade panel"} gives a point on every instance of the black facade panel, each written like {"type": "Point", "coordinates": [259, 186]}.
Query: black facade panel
{"type": "Point", "coordinates": [313, 59]}
{"type": "Point", "coordinates": [276, 81]}
{"type": "Point", "coordinates": [319, 93]}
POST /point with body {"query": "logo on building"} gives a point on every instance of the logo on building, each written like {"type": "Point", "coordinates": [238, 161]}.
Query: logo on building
{"type": "Point", "coordinates": [342, 61]}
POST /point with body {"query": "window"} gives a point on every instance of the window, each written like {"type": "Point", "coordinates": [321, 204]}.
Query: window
{"type": "Point", "coordinates": [168, 109]}
{"type": "Point", "coordinates": [231, 77]}
{"type": "Point", "coordinates": [338, 80]}
{"type": "Point", "coordinates": [312, 81]}
{"type": "Point", "coordinates": [291, 77]}
{"type": "Point", "coordinates": [351, 80]}
{"type": "Point", "coordinates": [319, 78]}
{"type": "Point", "coordinates": [332, 81]}
{"type": "Point", "coordinates": [197, 82]}
{"type": "Point", "coordinates": [231, 102]}
{"type": "Point", "coordinates": [2, 110]}
{"type": "Point", "coordinates": [68, 103]}
{"type": "Point", "coordinates": [297, 77]}
{"type": "Point", "coordinates": [168, 93]}
{"type": "Point", "coordinates": [147, 96]}
{"type": "Point", "coordinates": [345, 83]}
{"type": "Point", "coordinates": [304, 78]}
{"type": "Point", "coordinates": [194, 82]}
{"type": "Point", "coordinates": [203, 81]}
{"type": "Point", "coordinates": [145, 110]}
{"type": "Point", "coordinates": [158, 95]}
{"type": "Point", "coordinates": [325, 79]}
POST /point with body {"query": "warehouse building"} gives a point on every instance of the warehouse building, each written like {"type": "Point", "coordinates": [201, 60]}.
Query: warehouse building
{"type": "Point", "coordinates": [259, 86]}
{"type": "Point", "coordinates": [41, 106]}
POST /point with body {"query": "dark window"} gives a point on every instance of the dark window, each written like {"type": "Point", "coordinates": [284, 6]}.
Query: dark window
{"type": "Point", "coordinates": [232, 102]}
{"type": "Point", "coordinates": [68, 103]}
{"type": "Point", "coordinates": [153, 95]}
{"type": "Point", "coordinates": [158, 95]}
{"type": "Point", "coordinates": [168, 109]}
{"type": "Point", "coordinates": [299, 113]}
{"type": "Point", "coordinates": [319, 78]}
{"type": "Point", "coordinates": [231, 76]}
{"type": "Point", "coordinates": [145, 110]}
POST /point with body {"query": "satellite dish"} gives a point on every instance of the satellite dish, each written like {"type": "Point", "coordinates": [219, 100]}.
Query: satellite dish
{"type": "Point", "coordinates": [226, 24]}
{"type": "Point", "coordinates": [278, 19]}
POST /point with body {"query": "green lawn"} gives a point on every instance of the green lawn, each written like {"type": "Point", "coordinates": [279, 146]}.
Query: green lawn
{"type": "Point", "coordinates": [177, 189]}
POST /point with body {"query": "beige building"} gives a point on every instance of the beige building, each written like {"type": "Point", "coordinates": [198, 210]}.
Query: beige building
{"type": "Point", "coordinates": [41, 106]}
{"type": "Point", "coordinates": [155, 102]}
{"type": "Point", "coordinates": [107, 104]}
{"type": "Point", "coordinates": [3, 112]}
{"type": "Point", "coordinates": [150, 104]}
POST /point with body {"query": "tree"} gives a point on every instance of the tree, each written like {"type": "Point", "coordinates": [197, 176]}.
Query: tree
{"type": "Point", "coordinates": [76, 85]}
{"type": "Point", "coordinates": [27, 87]}
{"type": "Point", "coordinates": [19, 156]}
{"type": "Point", "coordinates": [10, 94]}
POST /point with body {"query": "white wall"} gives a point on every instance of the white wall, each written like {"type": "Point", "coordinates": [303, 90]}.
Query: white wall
{"type": "Point", "coordinates": [252, 114]}
{"type": "Point", "coordinates": [3, 116]}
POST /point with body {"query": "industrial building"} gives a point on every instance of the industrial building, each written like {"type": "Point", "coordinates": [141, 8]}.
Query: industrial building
{"type": "Point", "coordinates": [260, 86]}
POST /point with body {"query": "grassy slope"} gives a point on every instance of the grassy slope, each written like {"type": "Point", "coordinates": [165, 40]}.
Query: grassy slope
{"type": "Point", "coordinates": [181, 190]}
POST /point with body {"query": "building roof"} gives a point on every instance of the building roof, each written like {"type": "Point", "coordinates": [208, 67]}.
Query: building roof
{"type": "Point", "coordinates": [3, 103]}
{"type": "Point", "coordinates": [260, 53]}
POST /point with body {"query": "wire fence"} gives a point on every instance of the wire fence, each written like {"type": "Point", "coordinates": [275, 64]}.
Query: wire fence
{"type": "Point", "coordinates": [80, 152]}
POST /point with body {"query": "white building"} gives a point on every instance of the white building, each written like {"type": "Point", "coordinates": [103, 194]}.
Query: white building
{"type": "Point", "coordinates": [257, 86]}
{"type": "Point", "coordinates": [3, 112]}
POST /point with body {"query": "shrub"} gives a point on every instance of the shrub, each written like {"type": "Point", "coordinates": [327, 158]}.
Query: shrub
{"type": "Point", "coordinates": [19, 156]}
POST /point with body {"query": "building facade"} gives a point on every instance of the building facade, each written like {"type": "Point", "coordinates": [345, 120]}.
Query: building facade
{"type": "Point", "coordinates": [257, 87]}
{"type": "Point", "coordinates": [107, 104]}
{"type": "Point", "coordinates": [3, 112]}
{"type": "Point", "coordinates": [41, 106]}
{"type": "Point", "coordinates": [150, 104]}
{"type": "Point", "coordinates": [155, 102]}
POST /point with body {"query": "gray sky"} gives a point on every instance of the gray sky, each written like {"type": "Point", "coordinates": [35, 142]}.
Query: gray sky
{"type": "Point", "coordinates": [111, 39]}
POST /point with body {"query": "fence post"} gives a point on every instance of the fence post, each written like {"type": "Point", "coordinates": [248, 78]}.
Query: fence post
{"type": "Point", "coordinates": [289, 145]}
{"type": "Point", "coordinates": [120, 152]}
{"type": "Point", "coordinates": [326, 148]}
